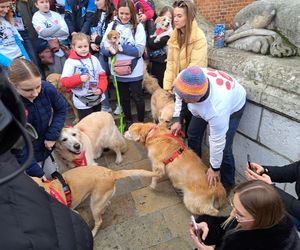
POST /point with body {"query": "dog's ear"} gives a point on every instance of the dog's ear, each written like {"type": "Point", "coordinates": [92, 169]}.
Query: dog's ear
{"type": "Point", "coordinates": [158, 19]}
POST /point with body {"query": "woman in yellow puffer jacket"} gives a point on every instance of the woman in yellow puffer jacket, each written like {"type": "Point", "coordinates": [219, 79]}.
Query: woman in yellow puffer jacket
{"type": "Point", "coordinates": [187, 45]}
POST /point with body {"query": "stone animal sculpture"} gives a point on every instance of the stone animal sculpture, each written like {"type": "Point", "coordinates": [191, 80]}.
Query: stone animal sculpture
{"type": "Point", "coordinates": [267, 27]}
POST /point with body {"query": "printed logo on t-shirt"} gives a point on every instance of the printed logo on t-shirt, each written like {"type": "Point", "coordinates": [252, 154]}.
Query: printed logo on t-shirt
{"type": "Point", "coordinates": [6, 35]}
{"type": "Point", "coordinates": [90, 86]}
{"type": "Point", "coordinates": [221, 78]}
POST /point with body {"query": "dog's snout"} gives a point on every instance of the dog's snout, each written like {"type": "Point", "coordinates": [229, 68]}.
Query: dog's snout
{"type": "Point", "coordinates": [76, 146]}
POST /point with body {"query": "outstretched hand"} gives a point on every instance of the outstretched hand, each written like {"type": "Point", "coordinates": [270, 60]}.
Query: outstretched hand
{"type": "Point", "coordinates": [213, 177]}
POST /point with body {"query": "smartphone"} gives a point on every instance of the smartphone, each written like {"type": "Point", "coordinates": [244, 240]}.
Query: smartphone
{"type": "Point", "coordinates": [197, 230]}
{"type": "Point", "coordinates": [249, 163]}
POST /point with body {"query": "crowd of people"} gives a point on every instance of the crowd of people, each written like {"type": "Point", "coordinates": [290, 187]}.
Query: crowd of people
{"type": "Point", "coordinates": [40, 37]}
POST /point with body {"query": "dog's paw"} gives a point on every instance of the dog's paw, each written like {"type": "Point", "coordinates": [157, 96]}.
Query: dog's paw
{"type": "Point", "coordinates": [120, 48]}
{"type": "Point", "coordinates": [152, 186]}
{"type": "Point", "coordinates": [118, 160]}
{"type": "Point", "coordinates": [112, 51]}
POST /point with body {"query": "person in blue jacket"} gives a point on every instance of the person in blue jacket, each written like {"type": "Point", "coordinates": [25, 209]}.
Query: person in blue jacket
{"type": "Point", "coordinates": [11, 46]}
{"type": "Point", "coordinates": [79, 15]}
{"type": "Point", "coordinates": [46, 111]}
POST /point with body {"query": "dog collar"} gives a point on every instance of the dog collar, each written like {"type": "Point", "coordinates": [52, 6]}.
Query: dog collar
{"type": "Point", "coordinates": [159, 31]}
{"type": "Point", "coordinates": [81, 161]}
{"type": "Point", "coordinates": [150, 132]}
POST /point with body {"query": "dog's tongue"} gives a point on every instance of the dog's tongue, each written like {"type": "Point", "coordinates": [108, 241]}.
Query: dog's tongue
{"type": "Point", "coordinates": [81, 161]}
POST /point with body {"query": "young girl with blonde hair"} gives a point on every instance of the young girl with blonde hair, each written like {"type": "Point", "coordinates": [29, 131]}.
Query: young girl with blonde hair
{"type": "Point", "coordinates": [84, 76]}
{"type": "Point", "coordinates": [46, 111]}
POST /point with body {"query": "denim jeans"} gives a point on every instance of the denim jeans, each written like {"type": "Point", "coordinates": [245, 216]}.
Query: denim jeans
{"type": "Point", "coordinates": [195, 136]}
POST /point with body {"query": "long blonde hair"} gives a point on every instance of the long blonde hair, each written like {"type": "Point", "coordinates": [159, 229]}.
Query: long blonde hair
{"type": "Point", "coordinates": [21, 70]}
{"type": "Point", "coordinates": [262, 201]}
{"type": "Point", "coordinates": [190, 10]}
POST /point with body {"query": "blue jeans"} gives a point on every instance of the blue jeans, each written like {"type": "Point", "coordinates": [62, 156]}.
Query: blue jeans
{"type": "Point", "coordinates": [296, 222]}
{"type": "Point", "coordinates": [195, 135]}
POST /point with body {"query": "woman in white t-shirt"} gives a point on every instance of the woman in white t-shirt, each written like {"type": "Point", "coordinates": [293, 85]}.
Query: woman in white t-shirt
{"type": "Point", "coordinates": [11, 46]}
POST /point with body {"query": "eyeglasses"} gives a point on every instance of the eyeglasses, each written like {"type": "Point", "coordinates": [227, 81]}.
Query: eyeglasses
{"type": "Point", "coordinates": [239, 218]}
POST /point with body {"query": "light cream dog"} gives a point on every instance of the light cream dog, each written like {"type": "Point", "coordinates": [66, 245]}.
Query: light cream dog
{"type": "Point", "coordinates": [162, 102]}
{"type": "Point", "coordinates": [186, 172]}
{"type": "Point", "coordinates": [95, 182]}
{"type": "Point", "coordinates": [163, 28]}
{"type": "Point", "coordinates": [91, 135]}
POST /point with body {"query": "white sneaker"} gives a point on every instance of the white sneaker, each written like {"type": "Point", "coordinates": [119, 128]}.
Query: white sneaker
{"type": "Point", "coordinates": [117, 111]}
{"type": "Point", "coordinates": [106, 109]}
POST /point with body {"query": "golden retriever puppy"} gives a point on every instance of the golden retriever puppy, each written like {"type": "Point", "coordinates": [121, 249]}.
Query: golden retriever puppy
{"type": "Point", "coordinates": [90, 136]}
{"type": "Point", "coordinates": [95, 182]}
{"type": "Point", "coordinates": [162, 102]}
{"type": "Point", "coordinates": [112, 42]}
{"type": "Point", "coordinates": [54, 78]}
{"type": "Point", "coordinates": [186, 172]}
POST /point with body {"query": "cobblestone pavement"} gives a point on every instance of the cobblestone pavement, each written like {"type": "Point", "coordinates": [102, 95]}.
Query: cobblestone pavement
{"type": "Point", "coordinates": [138, 217]}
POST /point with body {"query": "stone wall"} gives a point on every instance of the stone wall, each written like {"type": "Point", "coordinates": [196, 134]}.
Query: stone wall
{"type": "Point", "coordinates": [270, 128]}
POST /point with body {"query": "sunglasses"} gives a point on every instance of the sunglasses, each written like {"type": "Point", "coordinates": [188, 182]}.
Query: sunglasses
{"type": "Point", "coordinates": [181, 3]}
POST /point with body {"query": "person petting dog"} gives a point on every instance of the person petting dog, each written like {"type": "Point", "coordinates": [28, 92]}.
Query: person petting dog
{"type": "Point", "coordinates": [129, 65]}
{"type": "Point", "coordinates": [187, 46]}
{"type": "Point", "coordinates": [288, 173]}
{"type": "Point", "coordinates": [84, 76]}
{"type": "Point", "coordinates": [257, 221]}
{"type": "Point", "coordinates": [215, 99]}
{"type": "Point", "coordinates": [46, 111]}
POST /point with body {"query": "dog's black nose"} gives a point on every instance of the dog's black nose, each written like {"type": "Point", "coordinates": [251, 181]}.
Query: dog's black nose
{"type": "Point", "coordinates": [76, 146]}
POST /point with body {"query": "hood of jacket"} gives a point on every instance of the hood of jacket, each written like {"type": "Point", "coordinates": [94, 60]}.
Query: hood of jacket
{"type": "Point", "coordinates": [74, 55]}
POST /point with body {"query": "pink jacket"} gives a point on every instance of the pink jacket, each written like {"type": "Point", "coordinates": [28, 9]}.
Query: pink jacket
{"type": "Point", "coordinates": [146, 9]}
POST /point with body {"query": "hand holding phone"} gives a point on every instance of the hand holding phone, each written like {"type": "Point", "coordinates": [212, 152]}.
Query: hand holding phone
{"type": "Point", "coordinates": [249, 163]}
{"type": "Point", "coordinates": [197, 230]}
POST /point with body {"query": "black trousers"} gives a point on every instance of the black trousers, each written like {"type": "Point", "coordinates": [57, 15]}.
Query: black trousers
{"type": "Point", "coordinates": [85, 112]}
{"type": "Point", "coordinates": [134, 90]}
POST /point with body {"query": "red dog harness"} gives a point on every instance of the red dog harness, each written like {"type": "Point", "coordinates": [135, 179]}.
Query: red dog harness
{"type": "Point", "coordinates": [66, 188]}
{"type": "Point", "coordinates": [178, 152]}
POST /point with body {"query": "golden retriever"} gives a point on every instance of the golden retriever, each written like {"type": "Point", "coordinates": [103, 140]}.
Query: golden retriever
{"type": "Point", "coordinates": [162, 102]}
{"type": "Point", "coordinates": [95, 182]}
{"type": "Point", "coordinates": [91, 135]}
{"type": "Point", "coordinates": [186, 172]}
{"type": "Point", "coordinates": [54, 78]}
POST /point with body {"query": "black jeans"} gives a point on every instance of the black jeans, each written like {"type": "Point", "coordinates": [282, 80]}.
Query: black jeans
{"type": "Point", "coordinates": [85, 112]}
{"type": "Point", "coordinates": [136, 91]}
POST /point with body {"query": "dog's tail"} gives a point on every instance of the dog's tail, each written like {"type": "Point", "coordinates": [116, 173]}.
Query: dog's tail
{"type": "Point", "coordinates": [150, 82]}
{"type": "Point", "coordinates": [133, 172]}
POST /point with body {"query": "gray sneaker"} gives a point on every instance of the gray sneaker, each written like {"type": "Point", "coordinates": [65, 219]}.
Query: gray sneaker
{"type": "Point", "coordinates": [117, 111]}
{"type": "Point", "coordinates": [106, 109]}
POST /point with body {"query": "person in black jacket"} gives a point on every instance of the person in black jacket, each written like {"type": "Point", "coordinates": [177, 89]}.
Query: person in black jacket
{"type": "Point", "coordinates": [257, 222]}
{"type": "Point", "coordinates": [30, 217]}
{"type": "Point", "coordinates": [158, 50]}
{"type": "Point", "coordinates": [288, 173]}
